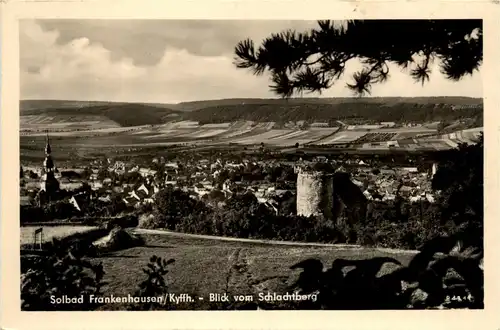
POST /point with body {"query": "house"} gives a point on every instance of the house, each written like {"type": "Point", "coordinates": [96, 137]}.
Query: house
{"type": "Point", "coordinates": [149, 191]}
{"type": "Point", "coordinates": [368, 195]}
{"type": "Point", "coordinates": [144, 172]}
{"type": "Point", "coordinates": [280, 192]}
{"type": "Point", "coordinates": [388, 197]}
{"type": "Point", "coordinates": [405, 191]}
{"type": "Point", "coordinates": [133, 194]}
{"type": "Point", "coordinates": [409, 169]}
{"type": "Point", "coordinates": [118, 189]}
{"type": "Point", "coordinates": [106, 199]}
{"type": "Point", "coordinates": [430, 198]}
{"type": "Point", "coordinates": [319, 124]}
{"type": "Point", "coordinates": [357, 183]}
{"type": "Point", "coordinates": [388, 124]}
{"type": "Point", "coordinates": [130, 201]}
{"type": "Point", "coordinates": [273, 205]}
{"type": "Point", "coordinates": [387, 171]}
{"type": "Point", "coordinates": [201, 191]}
{"type": "Point", "coordinates": [80, 201]}
{"type": "Point", "coordinates": [96, 185]}
{"type": "Point", "coordinates": [228, 185]}
{"type": "Point", "coordinates": [144, 194]}
{"type": "Point", "coordinates": [414, 199]}
{"type": "Point", "coordinates": [174, 166]}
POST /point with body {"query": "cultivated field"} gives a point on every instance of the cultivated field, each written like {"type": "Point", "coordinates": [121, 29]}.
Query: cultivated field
{"type": "Point", "coordinates": [71, 142]}
{"type": "Point", "coordinates": [205, 266]}
{"type": "Point", "coordinates": [342, 137]}
{"type": "Point", "coordinates": [65, 122]}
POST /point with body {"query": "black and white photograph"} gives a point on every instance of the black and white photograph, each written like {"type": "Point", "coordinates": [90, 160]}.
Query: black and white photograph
{"type": "Point", "coordinates": [202, 165]}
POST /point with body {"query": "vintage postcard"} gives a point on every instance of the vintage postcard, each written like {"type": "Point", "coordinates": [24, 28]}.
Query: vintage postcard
{"type": "Point", "coordinates": [239, 159]}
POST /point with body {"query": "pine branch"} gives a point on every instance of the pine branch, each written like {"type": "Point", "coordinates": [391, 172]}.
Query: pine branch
{"type": "Point", "coordinates": [312, 61]}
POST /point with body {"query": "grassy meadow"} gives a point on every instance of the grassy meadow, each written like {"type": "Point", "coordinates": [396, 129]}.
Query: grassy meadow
{"type": "Point", "coordinates": [206, 266]}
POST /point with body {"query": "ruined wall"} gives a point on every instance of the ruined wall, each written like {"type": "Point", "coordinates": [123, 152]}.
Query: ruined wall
{"type": "Point", "coordinates": [315, 194]}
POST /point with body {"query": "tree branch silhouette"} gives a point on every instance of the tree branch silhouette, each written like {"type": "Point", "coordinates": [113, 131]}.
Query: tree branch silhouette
{"type": "Point", "coordinates": [314, 60]}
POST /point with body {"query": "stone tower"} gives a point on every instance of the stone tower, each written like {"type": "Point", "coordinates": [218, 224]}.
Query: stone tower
{"type": "Point", "coordinates": [329, 194]}
{"type": "Point", "coordinates": [315, 194]}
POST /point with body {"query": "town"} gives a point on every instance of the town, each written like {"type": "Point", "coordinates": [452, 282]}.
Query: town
{"type": "Point", "coordinates": [211, 180]}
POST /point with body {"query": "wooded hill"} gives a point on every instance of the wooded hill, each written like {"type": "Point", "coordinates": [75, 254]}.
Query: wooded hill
{"type": "Point", "coordinates": [351, 110]}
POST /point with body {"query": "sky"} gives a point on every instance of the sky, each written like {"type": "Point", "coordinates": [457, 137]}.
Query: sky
{"type": "Point", "coordinates": [170, 61]}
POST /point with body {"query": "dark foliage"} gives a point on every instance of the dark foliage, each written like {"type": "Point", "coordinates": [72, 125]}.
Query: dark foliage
{"type": "Point", "coordinates": [451, 279]}
{"type": "Point", "coordinates": [100, 208]}
{"type": "Point", "coordinates": [460, 178]}
{"type": "Point", "coordinates": [70, 175]}
{"type": "Point", "coordinates": [349, 111]}
{"type": "Point", "coordinates": [47, 212]}
{"type": "Point", "coordinates": [154, 285]}
{"type": "Point", "coordinates": [172, 205]}
{"type": "Point", "coordinates": [63, 210]}
{"type": "Point", "coordinates": [65, 271]}
{"type": "Point", "coordinates": [312, 61]}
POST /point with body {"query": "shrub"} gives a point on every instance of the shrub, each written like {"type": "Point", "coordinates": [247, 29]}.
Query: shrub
{"type": "Point", "coordinates": [154, 285]}
{"type": "Point", "coordinates": [147, 221]}
{"type": "Point", "coordinates": [64, 272]}
{"type": "Point", "coordinates": [119, 239]}
{"type": "Point", "coordinates": [125, 221]}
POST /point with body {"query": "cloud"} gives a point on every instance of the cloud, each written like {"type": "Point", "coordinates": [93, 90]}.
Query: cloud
{"type": "Point", "coordinates": [193, 61]}
{"type": "Point", "coordinates": [145, 41]}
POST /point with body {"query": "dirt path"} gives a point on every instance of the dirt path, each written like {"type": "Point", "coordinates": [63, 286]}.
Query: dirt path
{"type": "Point", "coordinates": [269, 242]}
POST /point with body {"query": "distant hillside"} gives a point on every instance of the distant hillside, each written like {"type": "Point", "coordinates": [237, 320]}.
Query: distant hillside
{"type": "Point", "coordinates": [352, 112]}
{"type": "Point", "coordinates": [451, 100]}
{"type": "Point", "coordinates": [123, 114]}
{"type": "Point", "coordinates": [26, 105]}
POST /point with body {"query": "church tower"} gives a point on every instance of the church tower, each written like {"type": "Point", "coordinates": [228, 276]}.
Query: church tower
{"type": "Point", "coordinates": [49, 185]}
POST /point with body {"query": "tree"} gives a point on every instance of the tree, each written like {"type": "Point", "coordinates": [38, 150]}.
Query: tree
{"type": "Point", "coordinates": [312, 61]}
{"type": "Point", "coordinates": [171, 205]}
{"type": "Point", "coordinates": [242, 201]}
{"type": "Point", "coordinates": [460, 178]}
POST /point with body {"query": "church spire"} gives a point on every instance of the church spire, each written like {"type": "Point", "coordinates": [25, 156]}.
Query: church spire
{"type": "Point", "coordinates": [49, 184]}
{"type": "Point", "coordinates": [48, 149]}
{"type": "Point", "coordinates": [48, 164]}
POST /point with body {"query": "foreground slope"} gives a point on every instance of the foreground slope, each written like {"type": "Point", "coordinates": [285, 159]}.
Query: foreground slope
{"type": "Point", "coordinates": [204, 266]}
